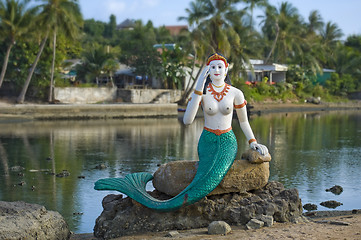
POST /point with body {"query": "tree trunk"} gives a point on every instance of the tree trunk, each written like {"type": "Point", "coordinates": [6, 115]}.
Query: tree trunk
{"type": "Point", "coordinates": [5, 64]}
{"type": "Point", "coordinates": [21, 97]}
{"type": "Point", "coordinates": [188, 91]}
{"type": "Point", "coordinates": [274, 43]}
{"type": "Point", "coordinates": [51, 91]}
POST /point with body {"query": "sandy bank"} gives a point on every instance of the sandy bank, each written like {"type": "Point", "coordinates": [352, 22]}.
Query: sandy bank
{"type": "Point", "coordinates": [328, 226]}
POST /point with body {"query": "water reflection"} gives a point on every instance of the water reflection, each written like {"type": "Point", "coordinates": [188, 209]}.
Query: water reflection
{"type": "Point", "coordinates": [311, 152]}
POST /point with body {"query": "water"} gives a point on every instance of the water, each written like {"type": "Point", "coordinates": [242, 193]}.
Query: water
{"type": "Point", "coordinates": [310, 152]}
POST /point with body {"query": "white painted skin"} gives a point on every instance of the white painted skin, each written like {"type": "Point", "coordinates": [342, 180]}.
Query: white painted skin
{"type": "Point", "coordinates": [218, 115]}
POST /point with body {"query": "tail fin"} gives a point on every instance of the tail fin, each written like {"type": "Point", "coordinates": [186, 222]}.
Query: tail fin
{"type": "Point", "coordinates": [128, 184]}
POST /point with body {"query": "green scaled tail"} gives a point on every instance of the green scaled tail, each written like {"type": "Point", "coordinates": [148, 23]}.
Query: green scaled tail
{"type": "Point", "coordinates": [216, 156]}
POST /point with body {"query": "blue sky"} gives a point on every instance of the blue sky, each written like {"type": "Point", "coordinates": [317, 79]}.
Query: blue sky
{"type": "Point", "coordinates": [346, 14]}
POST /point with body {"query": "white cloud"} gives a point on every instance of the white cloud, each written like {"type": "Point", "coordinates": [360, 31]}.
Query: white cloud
{"type": "Point", "coordinates": [114, 6]}
{"type": "Point", "coordinates": [150, 3]}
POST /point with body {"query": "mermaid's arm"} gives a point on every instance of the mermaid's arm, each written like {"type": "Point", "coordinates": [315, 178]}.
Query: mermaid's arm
{"type": "Point", "coordinates": [196, 98]}
{"type": "Point", "coordinates": [241, 110]}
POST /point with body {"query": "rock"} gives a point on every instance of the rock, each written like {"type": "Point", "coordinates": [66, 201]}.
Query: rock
{"type": "Point", "coordinates": [64, 173]}
{"type": "Point", "coordinates": [268, 220]}
{"type": "Point", "coordinates": [331, 204]}
{"type": "Point", "coordinates": [219, 228]}
{"type": "Point", "coordinates": [254, 224]}
{"type": "Point", "coordinates": [20, 220]}
{"type": "Point", "coordinates": [310, 207]}
{"type": "Point", "coordinates": [22, 183]}
{"type": "Point", "coordinates": [101, 166]}
{"type": "Point", "coordinates": [124, 216]}
{"type": "Point", "coordinates": [337, 190]}
{"type": "Point", "coordinates": [314, 100]}
{"type": "Point", "coordinates": [17, 169]}
{"type": "Point", "coordinates": [243, 176]}
{"type": "Point", "coordinates": [172, 234]}
{"type": "Point", "coordinates": [254, 156]}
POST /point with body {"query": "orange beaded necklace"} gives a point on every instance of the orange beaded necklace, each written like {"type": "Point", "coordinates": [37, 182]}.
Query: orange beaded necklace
{"type": "Point", "coordinates": [218, 95]}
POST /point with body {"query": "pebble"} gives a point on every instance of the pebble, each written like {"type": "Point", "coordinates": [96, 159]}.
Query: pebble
{"type": "Point", "coordinates": [172, 234]}
{"type": "Point", "coordinates": [64, 173]}
{"type": "Point", "coordinates": [101, 166]}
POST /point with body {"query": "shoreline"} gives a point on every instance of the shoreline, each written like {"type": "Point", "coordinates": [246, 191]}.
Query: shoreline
{"type": "Point", "coordinates": [10, 112]}
{"type": "Point", "coordinates": [273, 107]}
{"type": "Point", "coordinates": [335, 224]}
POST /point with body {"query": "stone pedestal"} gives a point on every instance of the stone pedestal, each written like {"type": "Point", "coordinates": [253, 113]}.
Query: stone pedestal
{"type": "Point", "coordinates": [243, 176]}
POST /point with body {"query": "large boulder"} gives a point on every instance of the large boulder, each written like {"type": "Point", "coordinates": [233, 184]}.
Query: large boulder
{"type": "Point", "coordinates": [249, 173]}
{"type": "Point", "coordinates": [20, 220]}
{"type": "Point", "coordinates": [124, 216]}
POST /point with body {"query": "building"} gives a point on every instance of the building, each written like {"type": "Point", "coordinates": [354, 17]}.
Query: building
{"type": "Point", "coordinates": [258, 71]}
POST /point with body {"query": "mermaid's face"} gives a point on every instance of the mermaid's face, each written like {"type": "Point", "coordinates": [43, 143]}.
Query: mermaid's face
{"type": "Point", "coordinates": [217, 70]}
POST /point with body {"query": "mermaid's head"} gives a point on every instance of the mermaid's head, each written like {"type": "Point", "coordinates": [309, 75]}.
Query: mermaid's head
{"type": "Point", "coordinates": [217, 56]}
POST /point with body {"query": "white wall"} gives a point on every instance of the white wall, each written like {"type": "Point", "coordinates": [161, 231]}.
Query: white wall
{"type": "Point", "coordinates": [84, 95]}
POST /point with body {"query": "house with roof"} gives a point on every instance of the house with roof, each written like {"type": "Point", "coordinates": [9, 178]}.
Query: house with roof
{"type": "Point", "coordinates": [257, 71]}
{"type": "Point", "coordinates": [127, 24]}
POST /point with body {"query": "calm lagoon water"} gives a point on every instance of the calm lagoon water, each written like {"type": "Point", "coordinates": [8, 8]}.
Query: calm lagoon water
{"type": "Point", "coordinates": [310, 152]}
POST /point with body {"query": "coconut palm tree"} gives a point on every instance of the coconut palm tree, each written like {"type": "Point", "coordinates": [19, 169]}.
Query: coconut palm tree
{"type": "Point", "coordinates": [15, 20]}
{"type": "Point", "coordinates": [96, 62]}
{"type": "Point", "coordinates": [252, 4]}
{"type": "Point", "coordinates": [55, 16]}
{"type": "Point", "coordinates": [216, 26]}
{"type": "Point", "coordinates": [284, 27]}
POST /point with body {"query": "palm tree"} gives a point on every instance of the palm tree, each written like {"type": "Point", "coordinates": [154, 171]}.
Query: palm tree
{"type": "Point", "coordinates": [252, 4]}
{"type": "Point", "coordinates": [315, 22]}
{"type": "Point", "coordinates": [284, 25]}
{"type": "Point", "coordinates": [15, 19]}
{"type": "Point", "coordinates": [56, 15]}
{"type": "Point", "coordinates": [64, 16]}
{"type": "Point", "coordinates": [330, 37]}
{"type": "Point", "coordinates": [97, 61]}
{"type": "Point", "coordinates": [213, 24]}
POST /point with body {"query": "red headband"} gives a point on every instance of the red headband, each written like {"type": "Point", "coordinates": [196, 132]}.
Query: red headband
{"type": "Point", "coordinates": [217, 57]}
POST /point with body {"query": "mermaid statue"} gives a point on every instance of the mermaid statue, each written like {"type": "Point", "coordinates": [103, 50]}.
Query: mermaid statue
{"type": "Point", "coordinates": [217, 146]}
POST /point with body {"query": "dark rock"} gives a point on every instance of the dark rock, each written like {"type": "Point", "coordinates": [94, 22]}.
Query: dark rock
{"type": "Point", "coordinates": [64, 173]}
{"type": "Point", "coordinates": [101, 166]}
{"type": "Point", "coordinates": [17, 168]}
{"type": "Point", "coordinates": [331, 204]}
{"type": "Point", "coordinates": [310, 207]}
{"type": "Point", "coordinates": [121, 217]}
{"type": "Point", "coordinates": [219, 228]}
{"type": "Point", "coordinates": [20, 220]}
{"type": "Point", "coordinates": [337, 190]}
{"type": "Point", "coordinates": [22, 183]}
{"type": "Point", "coordinates": [254, 224]}
{"type": "Point", "coordinates": [268, 220]}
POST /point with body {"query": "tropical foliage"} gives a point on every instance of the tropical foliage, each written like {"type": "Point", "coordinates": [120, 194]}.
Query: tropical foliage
{"type": "Point", "coordinates": [279, 35]}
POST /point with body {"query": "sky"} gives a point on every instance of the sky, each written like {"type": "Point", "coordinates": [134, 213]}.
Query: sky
{"type": "Point", "coordinates": [346, 14]}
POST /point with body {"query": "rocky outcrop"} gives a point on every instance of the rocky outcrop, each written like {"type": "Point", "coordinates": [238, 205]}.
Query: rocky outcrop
{"type": "Point", "coordinates": [123, 216]}
{"type": "Point", "coordinates": [20, 220]}
{"type": "Point", "coordinates": [249, 173]}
